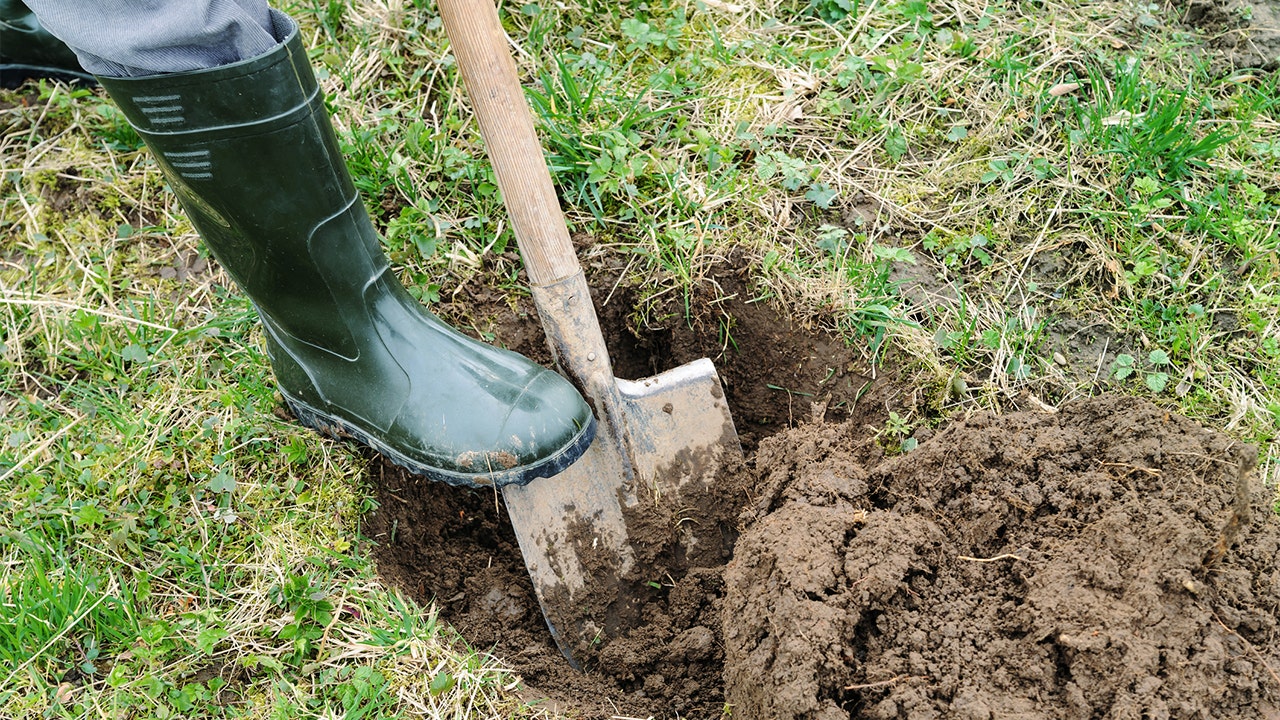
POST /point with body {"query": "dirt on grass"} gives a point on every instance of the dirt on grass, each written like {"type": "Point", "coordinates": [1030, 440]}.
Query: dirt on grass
{"type": "Point", "coordinates": [1110, 560]}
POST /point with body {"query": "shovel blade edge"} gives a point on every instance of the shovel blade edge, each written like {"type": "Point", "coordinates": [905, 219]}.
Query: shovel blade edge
{"type": "Point", "coordinates": [678, 425]}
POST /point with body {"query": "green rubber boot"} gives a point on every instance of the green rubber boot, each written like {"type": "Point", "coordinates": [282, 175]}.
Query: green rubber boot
{"type": "Point", "coordinates": [249, 151]}
{"type": "Point", "coordinates": [28, 51]}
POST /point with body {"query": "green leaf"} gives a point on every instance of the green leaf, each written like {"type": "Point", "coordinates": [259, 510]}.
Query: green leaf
{"type": "Point", "coordinates": [957, 133]}
{"type": "Point", "coordinates": [894, 254]}
{"type": "Point", "coordinates": [442, 683]}
{"type": "Point", "coordinates": [821, 194]}
{"type": "Point", "coordinates": [766, 166]}
{"type": "Point", "coordinates": [89, 515]}
{"type": "Point", "coordinates": [134, 352]}
{"type": "Point", "coordinates": [642, 34]}
{"type": "Point", "coordinates": [1158, 357]}
{"type": "Point", "coordinates": [296, 451]}
{"type": "Point", "coordinates": [1017, 369]}
{"type": "Point", "coordinates": [426, 244]}
{"type": "Point", "coordinates": [634, 28]}
{"type": "Point", "coordinates": [896, 144]}
{"type": "Point", "coordinates": [1157, 382]}
{"type": "Point", "coordinates": [208, 637]}
{"type": "Point", "coordinates": [1146, 185]}
{"type": "Point", "coordinates": [222, 482]}
{"type": "Point", "coordinates": [1122, 367]}
{"type": "Point", "coordinates": [832, 238]}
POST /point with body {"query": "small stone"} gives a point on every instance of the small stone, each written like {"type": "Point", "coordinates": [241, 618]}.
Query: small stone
{"type": "Point", "coordinates": [1059, 358]}
{"type": "Point", "coordinates": [695, 643]}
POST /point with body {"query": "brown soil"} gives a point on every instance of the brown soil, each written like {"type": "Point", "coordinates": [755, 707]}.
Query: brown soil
{"type": "Point", "coordinates": [1108, 561]}
{"type": "Point", "coordinates": [860, 586]}
{"type": "Point", "coordinates": [456, 546]}
{"type": "Point", "coordinates": [1246, 33]}
{"type": "Point", "coordinates": [776, 371]}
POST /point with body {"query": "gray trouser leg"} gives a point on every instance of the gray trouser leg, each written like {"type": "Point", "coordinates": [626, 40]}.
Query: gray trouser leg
{"type": "Point", "coordinates": [131, 38]}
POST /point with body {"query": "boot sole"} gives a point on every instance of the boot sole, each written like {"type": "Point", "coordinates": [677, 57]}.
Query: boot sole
{"type": "Point", "coordinates": [339, 429]}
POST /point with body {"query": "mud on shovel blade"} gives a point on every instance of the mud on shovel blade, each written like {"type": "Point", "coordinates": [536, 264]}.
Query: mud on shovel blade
{"type": "Point", "coordinates": [655, 434]}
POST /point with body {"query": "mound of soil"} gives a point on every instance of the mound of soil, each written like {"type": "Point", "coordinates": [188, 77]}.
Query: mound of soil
{"type": "Point", "coordinates": [1110, 560]}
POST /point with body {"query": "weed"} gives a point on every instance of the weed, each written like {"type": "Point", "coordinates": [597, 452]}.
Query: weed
{"type": "Point", "coordinates": [895, 435]}
{"type": "Point", "coordinates": [1154, 129]}
{"type": "Point", "coordinates": [1155, 378]}
{"type": "Point", "coordinates": [833, 11]}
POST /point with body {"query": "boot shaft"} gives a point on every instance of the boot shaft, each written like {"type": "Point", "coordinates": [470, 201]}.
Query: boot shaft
{"type": "Point", "coordinates": [249, 151]}
{"type": "Point", "coordinates": [28, 50]}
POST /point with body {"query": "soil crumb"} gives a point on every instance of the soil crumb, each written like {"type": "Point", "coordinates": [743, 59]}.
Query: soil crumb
{"type": "Point", "coordinates": [1110, 560]}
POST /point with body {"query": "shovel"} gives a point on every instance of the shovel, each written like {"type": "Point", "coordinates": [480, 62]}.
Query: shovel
{"type": "Point", "coordinates": [655, 434]}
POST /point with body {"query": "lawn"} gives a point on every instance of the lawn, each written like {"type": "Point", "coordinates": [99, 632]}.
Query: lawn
{"type": "Point", "coordinates": [1021, 203]}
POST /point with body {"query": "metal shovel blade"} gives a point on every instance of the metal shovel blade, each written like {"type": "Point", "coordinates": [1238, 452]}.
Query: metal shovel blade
{"type": "Point", "coordinates": [573, 528]}
{"type": "Point", "coordinates": [576, 530]}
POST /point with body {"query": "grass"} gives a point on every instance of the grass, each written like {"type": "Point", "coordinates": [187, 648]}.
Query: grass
{"type": "Point", "coordinates": [1033, 204]}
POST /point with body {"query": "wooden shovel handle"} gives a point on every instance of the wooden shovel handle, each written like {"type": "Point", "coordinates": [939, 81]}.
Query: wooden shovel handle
{"type": "Point", "coordinates": [479, 44]}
